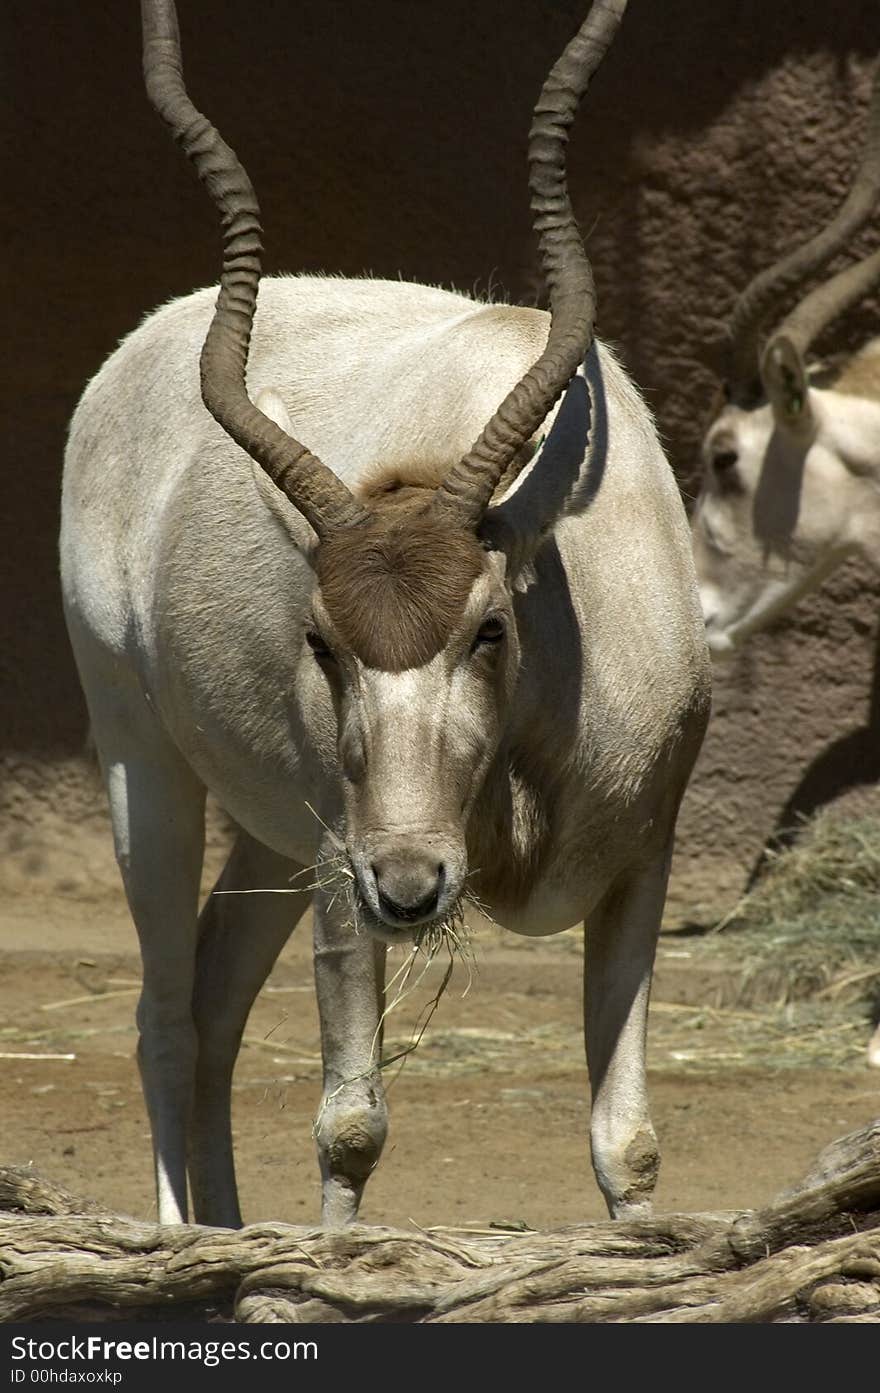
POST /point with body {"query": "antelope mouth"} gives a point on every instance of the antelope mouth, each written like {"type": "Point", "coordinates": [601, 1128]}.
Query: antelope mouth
{"type": "Point", "coordinates": [405, 890]}
{"type": "Point", "coordinates": [410, 926]}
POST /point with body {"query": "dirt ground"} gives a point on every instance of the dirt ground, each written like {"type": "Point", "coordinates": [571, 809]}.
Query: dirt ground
{"type": "Point", "coordinates": [488, 1116]}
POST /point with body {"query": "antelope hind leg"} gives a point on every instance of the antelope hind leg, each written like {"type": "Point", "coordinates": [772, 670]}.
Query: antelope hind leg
{"type": "Point", "coordinates": [157, 812]}
{"type": "Point", "coordinates": [240, 937]}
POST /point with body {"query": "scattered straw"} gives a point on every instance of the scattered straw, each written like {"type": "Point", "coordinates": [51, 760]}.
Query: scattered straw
{"type": "Point", "coordinates": [89, 997]}
{"type": "Point", "coordinates": [6, 1054]}
{"type": "Point", "coordinates": [811, 925]}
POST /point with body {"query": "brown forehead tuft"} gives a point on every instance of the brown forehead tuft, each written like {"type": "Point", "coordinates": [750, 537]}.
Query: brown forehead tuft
{"type": "Point", "coordinates": [395, 587]}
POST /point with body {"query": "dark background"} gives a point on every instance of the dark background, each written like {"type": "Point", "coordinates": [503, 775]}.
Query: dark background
{"type": "Point", "coordinates": [389, 138]}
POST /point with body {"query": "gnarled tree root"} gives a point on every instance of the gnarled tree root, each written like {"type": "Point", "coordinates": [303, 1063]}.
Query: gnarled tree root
{"type": "Point", "coordinates": [811, 1255]}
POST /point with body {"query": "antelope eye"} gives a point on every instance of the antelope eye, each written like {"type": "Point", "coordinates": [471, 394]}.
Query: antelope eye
{"type": "Point", "coordinates": [490, 631]}
{"type": "Point", "coordinates": [727, 479]}
{"type": "Point", "coordinates": [317, 644]}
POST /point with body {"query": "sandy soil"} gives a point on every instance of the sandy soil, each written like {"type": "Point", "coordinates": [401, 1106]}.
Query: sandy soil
{"type": "Point", "coordinates": [489, 1116]}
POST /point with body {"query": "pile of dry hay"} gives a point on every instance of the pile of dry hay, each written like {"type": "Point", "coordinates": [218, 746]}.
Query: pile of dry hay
{"type": "Point", "coordinates": [812, 922]}
{"type": "Point", "coordinates": [802, 949]}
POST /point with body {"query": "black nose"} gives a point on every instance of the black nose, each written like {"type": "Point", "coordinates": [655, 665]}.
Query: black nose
{"type": "Point", "coordinates": [410, 913]}
{"type": "Point", "coordinates": [408, 886]}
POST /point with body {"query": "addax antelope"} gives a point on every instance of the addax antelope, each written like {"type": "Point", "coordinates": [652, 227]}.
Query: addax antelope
{"type": "Point", "coordinates": [791, 465]}
{"type": "Point", "coordinates": [482, 665]}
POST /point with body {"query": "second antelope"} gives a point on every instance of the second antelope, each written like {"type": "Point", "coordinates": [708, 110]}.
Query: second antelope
{"type": "Point", "coordinates": [791, 464]}
{"type": "Point", "coordinates": [482, 665]}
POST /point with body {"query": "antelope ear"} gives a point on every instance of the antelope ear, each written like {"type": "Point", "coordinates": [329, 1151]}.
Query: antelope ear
{"type": "Point", "coordinates": [558, 478]}
{"type": "Point", "coordinates": [291, 519]}
{"type": "Point", "coordinates": [785, 382]}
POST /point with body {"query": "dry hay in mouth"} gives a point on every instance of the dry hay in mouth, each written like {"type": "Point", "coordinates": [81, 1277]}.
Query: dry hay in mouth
{"type": "Point", "coordinates": [449, 934]}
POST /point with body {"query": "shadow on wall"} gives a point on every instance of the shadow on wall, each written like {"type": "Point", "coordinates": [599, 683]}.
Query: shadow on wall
{"type": "Point", "coordinates": [849, 762]}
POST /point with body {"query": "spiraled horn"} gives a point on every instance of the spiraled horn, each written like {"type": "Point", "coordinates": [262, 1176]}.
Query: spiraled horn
{"type": "Point", "coordinates": [771, 286]}
{"type": "Point", "coordinates": [469, 486]}
{"type": "Point", "coordinates": [828, 302]}
{"type": "Point", "coordinates": [314, 489]}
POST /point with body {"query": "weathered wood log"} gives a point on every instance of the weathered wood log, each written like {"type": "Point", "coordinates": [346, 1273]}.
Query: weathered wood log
{"type": "Point", "coordinates": [811, 1255]}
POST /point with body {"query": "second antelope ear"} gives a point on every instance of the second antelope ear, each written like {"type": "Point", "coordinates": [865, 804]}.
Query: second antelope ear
{"type": "Point", "coordinates": [785, 382]}
{"type": "Point", "coordinates": [291, 519]}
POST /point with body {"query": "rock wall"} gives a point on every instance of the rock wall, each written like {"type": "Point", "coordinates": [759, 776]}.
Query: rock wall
{"type": "Point", "coordinates": [389, 138]}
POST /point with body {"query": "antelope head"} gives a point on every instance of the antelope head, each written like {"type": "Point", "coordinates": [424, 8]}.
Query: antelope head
{"type": "Point", "coordinates": [411, 624]}
{"type": "Point", "coordinates": [783, 461]}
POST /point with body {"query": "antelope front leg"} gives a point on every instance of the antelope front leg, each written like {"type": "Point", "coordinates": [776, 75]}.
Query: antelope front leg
{"type": "Point", "coordinates": [353, 1118]}
{"type": "Point", "coordinates": [620, 941]}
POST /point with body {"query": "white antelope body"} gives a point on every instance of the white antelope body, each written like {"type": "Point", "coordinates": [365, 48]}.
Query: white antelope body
{"type": "Point", "coordinates": [535, 751]}
{"type": "Point", "coordinates": [791, 465]}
